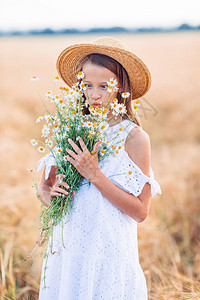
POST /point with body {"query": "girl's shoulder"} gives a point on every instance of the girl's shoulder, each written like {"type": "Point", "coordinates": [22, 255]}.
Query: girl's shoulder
{"type": "Point", "coordinates": [138, 148]}
{"type": "Point", "coordinates": [135, 132]}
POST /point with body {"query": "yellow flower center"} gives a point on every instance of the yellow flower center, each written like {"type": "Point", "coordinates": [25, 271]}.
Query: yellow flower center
{"type": "Point", "coordinates": [121, 129]}
{"type": "Point", "coordinates": [130, 172]}
{"type": "Point", "coordinates": [68, 126]}
{"type": "Point", "coordinates": [56, 77]}
{"type": "Point", "coordinates": [102, 151]}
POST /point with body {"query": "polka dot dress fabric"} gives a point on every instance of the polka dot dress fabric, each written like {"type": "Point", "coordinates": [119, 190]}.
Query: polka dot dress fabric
{"type": "Point", "coordinates": [93, 253]}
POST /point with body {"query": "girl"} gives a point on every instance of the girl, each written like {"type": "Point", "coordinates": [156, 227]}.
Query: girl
{"type": "Point", "coordinates": [100, 259]}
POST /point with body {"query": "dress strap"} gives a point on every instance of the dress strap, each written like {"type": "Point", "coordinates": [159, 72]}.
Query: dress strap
{"type": "Point", "coordinates": [128, 126]}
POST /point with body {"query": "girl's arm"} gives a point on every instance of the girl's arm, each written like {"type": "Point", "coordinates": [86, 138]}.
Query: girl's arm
{"type": "Point", "coordinates": [138, 148]}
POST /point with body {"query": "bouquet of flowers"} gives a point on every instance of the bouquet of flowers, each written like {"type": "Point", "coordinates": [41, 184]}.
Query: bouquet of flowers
{"type": "Point", "coordinates": [72, 118]}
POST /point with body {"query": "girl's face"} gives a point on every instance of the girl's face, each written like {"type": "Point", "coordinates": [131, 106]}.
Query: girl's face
{"type": "Point", "coordinates": [95, 80]}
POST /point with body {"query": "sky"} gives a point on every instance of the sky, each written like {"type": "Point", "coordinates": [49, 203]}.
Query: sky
{"type": "Point", "coordinates": [57, 14]}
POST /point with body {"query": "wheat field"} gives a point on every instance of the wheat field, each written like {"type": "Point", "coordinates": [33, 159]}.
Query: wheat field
{"type": "Point", "coordinates": [169, 239]}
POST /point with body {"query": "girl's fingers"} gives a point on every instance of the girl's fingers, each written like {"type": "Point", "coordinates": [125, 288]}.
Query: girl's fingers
{"type": "Point", "coordinates": [75, 147]}
{"type": "Point", "coordinates": [83, 146]}
{"type": "Point", "coordinates": [72, 153]}
{"type": "Point", "coordinates": [59, 190]}
{"type": "Point", "coordinates": [54, 194]}
{"type": "Point", "coordinates": [61, 183]}
{"type": "Point", "coordinates": [64, 184]}
{"type": "Point", "coordinates": [96, 146]}
{"type": "Point", "coordinates": [71, 160]}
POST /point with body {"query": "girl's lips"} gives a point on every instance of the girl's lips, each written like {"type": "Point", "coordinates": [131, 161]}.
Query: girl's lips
{"type": "Point", "coordinates": [96, 104]}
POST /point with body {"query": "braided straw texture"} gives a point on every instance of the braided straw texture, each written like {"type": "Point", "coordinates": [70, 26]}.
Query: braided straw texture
{"type": "Point", "coordinates": [138, 72]}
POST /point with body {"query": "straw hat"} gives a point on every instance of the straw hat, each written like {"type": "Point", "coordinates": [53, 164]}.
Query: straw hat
{"type": "Point", "coordinates": [139, 74]}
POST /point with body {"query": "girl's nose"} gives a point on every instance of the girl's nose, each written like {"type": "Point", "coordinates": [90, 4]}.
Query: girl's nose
{"type": "Point", "coordinates": [95, 94]}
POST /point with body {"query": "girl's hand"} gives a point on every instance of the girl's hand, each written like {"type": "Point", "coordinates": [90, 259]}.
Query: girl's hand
{"type": "Point", "coordinates": [83, 160]}
{"type": "Point", "coordinates": [56, 190]}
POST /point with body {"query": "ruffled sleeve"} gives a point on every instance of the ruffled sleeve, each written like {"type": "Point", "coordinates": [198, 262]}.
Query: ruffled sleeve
{"type": "Point", "coordinates": [131, 178]}
{"type": "Point", "coordinates": [49, 161]}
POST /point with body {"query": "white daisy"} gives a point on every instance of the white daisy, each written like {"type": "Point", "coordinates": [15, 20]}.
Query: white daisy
{"type": "Point", "coordinates": [56, 78]}
{"type": "Point", "coordinates": [112, 82]}
{"type": "Point", "coordinates": [65, 158]}
{"type": "Point", "coordinates": [38, 119]}
{"type": "Point", "coordinates": [80, 75]}
{"type": "Point", "coordinates": [109, 89]}
{"type": "Point", "coordinates": [82, 86]}
{"type": "Point", "coordinates": [41, 149]}
{"type": "Point", "coordinates": [125, 95]}
{"type": "Point", "coordinates": [48, 95]}
{"type": "Point", "coordinates": [49, 142]}
{"type": "Point", "coordinates": [89, 124]}
{"type": "Point", "coordinates": [34, 78]}
{"type": "Point", "coordinates": [47, 118]}
{"type": "Point", "coordinates": [34, 142]}
{"type": "Point", "coordinates": [31, 170]}
{"type": "Point", "coordinates": [59, 150]}
{"type": "Point", "coordinates": [92, 132]}
{"type": "Point", "coordinates": [121, 108]}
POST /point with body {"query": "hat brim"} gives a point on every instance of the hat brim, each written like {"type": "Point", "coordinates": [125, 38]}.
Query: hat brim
{"type": "Point", "coordinates": [138, 72]}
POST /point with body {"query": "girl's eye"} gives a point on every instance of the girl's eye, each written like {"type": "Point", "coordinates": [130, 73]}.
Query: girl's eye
{"type": "Point", "coordinates": [104, 86]}
{"type": "Point", "coordinates": [87, 85]}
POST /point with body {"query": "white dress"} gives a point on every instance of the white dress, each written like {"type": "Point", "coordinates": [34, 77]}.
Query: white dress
{"type": "Point", "coordinates": [100, 259]}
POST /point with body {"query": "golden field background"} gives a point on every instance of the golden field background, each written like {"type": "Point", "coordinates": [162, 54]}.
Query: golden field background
{"type": "Point", "coordinates": [169, 240]}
